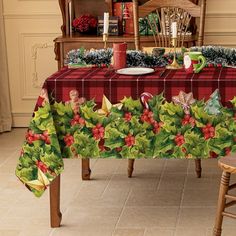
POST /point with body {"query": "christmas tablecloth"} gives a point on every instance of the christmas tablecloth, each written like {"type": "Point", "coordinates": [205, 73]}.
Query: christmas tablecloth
{"type": "Point", "coordinates": [97, 113]}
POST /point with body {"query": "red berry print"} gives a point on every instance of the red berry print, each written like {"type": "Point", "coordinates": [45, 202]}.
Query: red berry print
{"type": "Point", "coordinates": [128, 116]}
{"type": "Point", "coordinates": [118, 149]}
{"type": "Point", "coordinates": [208, 131]}
{"type": "Point", "coordinates": [69, 140]}
{"type": "Point", "coordinates": [213, 155]}
{"type": "Point", "coordinates": [77, 120]}
{"type": "Point", "coordinates": [98, 131]}
{"type": "Point", "coordinates": [129, 140]}
{"type": "Point", "coordinates": [188, 120]}
{"type": "Point", "coordinates": [147, 116]}
{"type": "Point", "coordinates": [31, 136]}
{"type": "Point", "coordinates": [227, 150]}
{"type": "Point", "coordinates": [179, 139]}
{"type": "Point", "coordinates": [42, 166]}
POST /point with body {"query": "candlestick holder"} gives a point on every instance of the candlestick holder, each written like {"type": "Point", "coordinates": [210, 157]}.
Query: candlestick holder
{"type": "Point", "coordinates": [174, 65]}
{"type": "Point", "coordinates": [105, 39]}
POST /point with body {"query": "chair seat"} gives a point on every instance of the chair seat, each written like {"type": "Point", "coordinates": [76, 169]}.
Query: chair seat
{"type": "Point", "coordinates": [228, 163]}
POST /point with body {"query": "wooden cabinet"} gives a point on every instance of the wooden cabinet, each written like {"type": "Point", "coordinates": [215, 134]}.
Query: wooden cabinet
{"type": "Point", "coordinates": [68, 40]}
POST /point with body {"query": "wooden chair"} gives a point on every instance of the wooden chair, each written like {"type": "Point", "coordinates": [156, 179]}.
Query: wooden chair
{"type": "Point", "coordinates": [184, 12]}
{"type": "Point", "coordinates": [228, 165]}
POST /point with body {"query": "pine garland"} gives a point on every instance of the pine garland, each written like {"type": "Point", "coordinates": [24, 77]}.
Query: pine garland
{"type": "Point", "coordinates": [215, 56]}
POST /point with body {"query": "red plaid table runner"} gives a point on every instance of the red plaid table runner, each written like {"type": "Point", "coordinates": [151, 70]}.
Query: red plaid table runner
{"type": "Point", "coordinates": [92, 83]}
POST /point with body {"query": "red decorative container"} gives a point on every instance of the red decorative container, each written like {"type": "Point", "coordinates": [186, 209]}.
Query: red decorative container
{"type": "Point", "coordinates": [119, 55]}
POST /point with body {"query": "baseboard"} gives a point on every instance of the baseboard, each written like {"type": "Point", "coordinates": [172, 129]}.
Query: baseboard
{"type": "Point", "coordinates": [21, 119]}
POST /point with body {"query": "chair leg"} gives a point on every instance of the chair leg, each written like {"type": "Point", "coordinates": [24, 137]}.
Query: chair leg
{"type": "Point", "coordinates": [86, 171]}
{"type": "Point", "coordinates": [198, 168]}
{"type": "Point", "coordinates": [55, 213]}
{"type": "Point", "coordinates": [224, 186]}
{"type": "Point", "coordinates": [130, 167]}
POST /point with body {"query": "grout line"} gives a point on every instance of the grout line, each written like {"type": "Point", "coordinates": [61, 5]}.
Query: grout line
{"type": "Point", "coordinates": [122, 211]}
{"type": "Point", "coordinates": [161, 176]}
{"type": "Point", "coordinates": [182, 197]}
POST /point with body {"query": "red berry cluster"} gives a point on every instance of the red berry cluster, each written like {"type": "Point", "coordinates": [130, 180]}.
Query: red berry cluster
{"type": "Point", "coordinates": [129, 140]}
{"type": "Point", "coordinates": [156, 127]}
{"type": "Point", "coordinates": [213, 154]}
{"type": "Point", "coordinates": [69, 140]}
{"type": "Point", "coordinates": [128, 116]}
{"type": "Point", "coordinates": [179, 139]}
{"type": "Point", "coordinates": [188, 120]}
{"type": "Point", "coordinates": [42, 166]}
{"type": "Point", "coordinates": [31, 137]}
{"type": "Point", "coordinates": [77, 120]}
{"type": "Point", "coordinates": [208, 131]}
{"type": "Point", "coordinates": [147, 116]}
{"type": "Point", "coordinates": [227, 150]}
{"type": "Point", "coordinates": [118, 149]}
{"type": "Point", "coordinates": [98, 131]}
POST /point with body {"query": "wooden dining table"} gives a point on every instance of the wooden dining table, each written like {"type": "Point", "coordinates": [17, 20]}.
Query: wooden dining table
{"type": "Point", "coordinates": [84, 113]}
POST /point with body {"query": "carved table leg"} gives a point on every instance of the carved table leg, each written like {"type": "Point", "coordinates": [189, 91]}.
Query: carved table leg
{"type": "Point", "coordinates": [224, 186]}
{"type": "Point", "coordinates": [55, 213]}
{"type": "Point", "coordinates": [130, 167]}
{"type": "Point", "coordinates": [198, 168]}
{"type": "Point", "coordinates": [86, 171]}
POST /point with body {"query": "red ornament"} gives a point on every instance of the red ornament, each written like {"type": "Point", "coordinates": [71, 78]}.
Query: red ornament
{"type": "Point", "coordinates": [145, 97]}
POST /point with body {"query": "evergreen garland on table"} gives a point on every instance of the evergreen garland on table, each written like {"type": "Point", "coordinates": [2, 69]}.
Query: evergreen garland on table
{"type": "Point", "coordinates": [215, 56]}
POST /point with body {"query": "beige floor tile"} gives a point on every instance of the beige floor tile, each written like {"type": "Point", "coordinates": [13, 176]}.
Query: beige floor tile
{"type": "Point", "coordinates": [226, 231]}
{"type": "Point", "coordinates": [13, 139]}
{"type": "Point", "coordinates": [172, 181]}
{"type": "Point", "coordinates": [207, 181]}
{"type": "Point", "coordinates": [196, 216]}
{"type": "Point", "coordinates": [97, 217]}
{"type": "Point", "coordinates": [90, 231]}
{"type": "Point", "coordinates": [176, 166]}
{"type": "Point", "coordinates": [128, 232]}
{"type": "Point", "coordinates": [136, 182]}
{"type": "Point", "coordinates": [200, 197]}
{"type": "Point", "coordinates": [9, 232]}
{"type": "Point", "coordinates": [36, 231]}
{"type": "Point", "coordinates": [191, 231]}
{"type": "Point", "coordinates": [166, 197]}
{"type": "Point", "coordinates": [109, 198]}
{"type": "Point", "coordinates": [142, 217]}
{"type": "Point", "coordinates": [143, 166]}
{"type": "Point", "coordinates": [159, 232]}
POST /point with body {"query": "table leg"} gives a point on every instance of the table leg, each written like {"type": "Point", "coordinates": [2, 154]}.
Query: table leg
{"type": "Point", "coordinates": [86, 171]}
{"type": "Point", "coordinates": [198, 168]}
{"type": "Point", "coordinates": [55, 213]}
{"type": "Point", "coordinates": [130, 167]}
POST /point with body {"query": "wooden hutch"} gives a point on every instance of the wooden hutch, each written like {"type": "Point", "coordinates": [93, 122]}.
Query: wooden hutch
{"type": "Point", "coordinates": [70, 40]}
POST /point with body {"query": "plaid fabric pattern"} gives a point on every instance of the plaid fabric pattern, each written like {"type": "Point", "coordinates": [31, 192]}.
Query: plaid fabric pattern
{"type": "Point", "coordinates": [92, 83]}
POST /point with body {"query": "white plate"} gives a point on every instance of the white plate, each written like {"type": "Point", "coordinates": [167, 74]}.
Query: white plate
{"type": "Point", "coordinates": [135, 71]}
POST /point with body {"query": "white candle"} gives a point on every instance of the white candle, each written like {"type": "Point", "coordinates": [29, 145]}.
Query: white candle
{"type": "Point", "coordinates": [106, 23]}
{"type": "Point", "coordinates": [174, 29]}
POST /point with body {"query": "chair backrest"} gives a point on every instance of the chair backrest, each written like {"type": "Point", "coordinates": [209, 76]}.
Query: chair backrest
{"type": "Point", "coordinates": [161, 13]}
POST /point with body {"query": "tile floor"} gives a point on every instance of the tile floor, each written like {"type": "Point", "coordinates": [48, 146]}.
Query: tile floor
{"type": "Point", "coordinates": [164, 198]}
